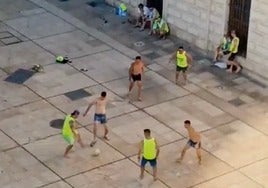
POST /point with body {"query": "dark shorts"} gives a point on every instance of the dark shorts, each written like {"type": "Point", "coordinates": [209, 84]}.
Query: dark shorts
{"type": "Point", "coordinates": [100, 118]}
{"type": "Point", "coordinates": [136, 77]}
{"type": "Point", "coordinates": [232, 56]}
{"type": "Point", "coordinates": [183, 69]}
{"type": "Point", "coordinates": [152, 162]}
{"type": "Point", "coordinates": [193, 144]}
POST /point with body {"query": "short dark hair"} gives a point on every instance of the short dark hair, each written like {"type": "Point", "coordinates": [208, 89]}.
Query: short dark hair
{"type": "Point", "coordinates": [103, 94]}
{"type": "Point", "coordinates": [140, 5]}
{"type": "Point", "coordinates": [181, 47]}
{"type": "Point", "coordinates": [76, 112]}
{"type": "Point", "coordinates": [187, 122]}
{"type": "Point", "coordinates": [138, 58]}
{"type": "Point", "coordinates": [147, 131]}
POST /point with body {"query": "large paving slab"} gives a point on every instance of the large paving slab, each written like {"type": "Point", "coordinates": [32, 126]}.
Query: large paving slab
{"type": "Point", "coordinates": [29, 122]}
{"type": "Point", "coordinates": [58, 79]}
{"type": "Point", "coordinates": [202, 114]}
{"type": "Point", "coordinates": [20, 169]}
{"type": "Point", "coordinates": [235, 143]}
{"type": "Point", "coordinates": [105, 66]}
{"type": "Point", "coordinates": [233, 179]}
{"type": "Point", "coordinates": [114, 108]}
{"type": "Point", "coordinates": [23, 55]}
{"type": "Point", "coordinates": [257, 171]}
{"type": "Point", "coordinates": [73, 44]}
{"type": "Point", "coordinates": [126, 176]}
{"type": "Point", "coordinates": [156, 89]}
{"type": "Point", "coordinates": [12, 10]}
{"type": "Point", "coordinates": [59, 184]}
{"type": "Point", "coordinates": [14, 94]}
{"type": "Point", "coordinates": [50, 151]}
{"type": "Point", "coordinates": [40, 25]}
{"type": "Point", "coordinates": [6, 142]}
{"type": "Point", "coordinates": [126, 132]}
{"type": "Point", "coordinates": [189, 172]}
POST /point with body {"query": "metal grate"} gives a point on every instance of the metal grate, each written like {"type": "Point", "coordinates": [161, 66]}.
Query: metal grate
{"type": "Point", "coordinates": [77, 94]}
{"type": "Point", "coordinates": [7, 38]}
{"type": "Point", "coordinates": [19, 76]}
{"type": "Point", "coordinates": [239, 21]}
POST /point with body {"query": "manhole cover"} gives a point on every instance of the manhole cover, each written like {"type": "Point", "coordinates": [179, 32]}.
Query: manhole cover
{"type": "Point", "coordinates": [139, 44]}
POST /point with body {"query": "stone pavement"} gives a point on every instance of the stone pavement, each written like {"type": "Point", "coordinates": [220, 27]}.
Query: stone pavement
{"type": "Point", "coordinates": [229, 110]}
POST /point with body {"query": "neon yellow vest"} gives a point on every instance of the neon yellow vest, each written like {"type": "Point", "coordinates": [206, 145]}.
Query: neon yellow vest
{"type": "Point", "coordinates": [182, 59]}
{"type": "Point", "coordinates": [66, 130]}
{"type": "Point", "coordinates": [233, 48]}
{"type": "Point", "coordinates": [149, 149]}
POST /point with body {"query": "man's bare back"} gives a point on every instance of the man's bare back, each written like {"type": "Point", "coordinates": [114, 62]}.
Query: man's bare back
{"type": "Point", "coordinates": [100, 105]}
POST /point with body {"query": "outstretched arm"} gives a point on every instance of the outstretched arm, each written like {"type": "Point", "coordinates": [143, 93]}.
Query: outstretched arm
{"type": "Point", "coordinates": [88, 108]}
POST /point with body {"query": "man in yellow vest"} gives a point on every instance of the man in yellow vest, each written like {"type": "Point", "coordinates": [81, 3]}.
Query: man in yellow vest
{"type": "Point", "coordinates": [69, 131]}
{"type": "Point", "coordinates": [183, 61]}
{"type": "Point", "coordinates": [150, 151]}
{"type": "Point", "coordinates": [233, 52]}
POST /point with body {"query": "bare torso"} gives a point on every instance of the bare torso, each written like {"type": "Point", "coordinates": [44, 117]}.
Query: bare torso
{"type": "Point", "coordinates": [193, 135]}
{"type": "Point", "coordinates": [100, 106]}
{"type": "Point", "coordinates": [137, 68]}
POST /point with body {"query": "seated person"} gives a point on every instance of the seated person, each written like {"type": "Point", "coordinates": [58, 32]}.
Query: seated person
{"type": "Point", "coordinates": [233, 65]}
{"type": "Point", "coordinates": [160, 27]}
{"type": "Point", "coordinates": [153, 16]}
{"type": "Point", "coordinates": [143, 15]}
{"type": "Point", "coordinates": [223, 48]}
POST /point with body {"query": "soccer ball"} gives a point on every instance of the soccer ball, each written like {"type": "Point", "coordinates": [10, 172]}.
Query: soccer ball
{"type": "Point", "coordinates": [96, 152]}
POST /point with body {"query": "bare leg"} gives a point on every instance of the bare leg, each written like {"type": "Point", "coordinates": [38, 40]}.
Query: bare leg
{"type": "Point", "coordinates": [216, 54]}
{"type": "Point", "coordinates": [139, 90]}
{"type": "Point", "coordinates": [142, 172]}
{"type": "Point", "coordinates": [79, 140]}
{"type": "Point", "coordinates": [106, 131]}
{"type": "Point", "coordinates": [131, 85]}
{"type": "Point", "coordinates": [67, 150]}
{"type": "Point", "coordinates": [184, 74]}
{"type": "Point", "coordinates": [231, 66]}
{"type": "Point", "coordinates": [155, 173]}
{"type": "Point", "coordinates": [143, 24]}
{"type": "Point", "coordinates": [198, 153]}
{"type": "Point", "coordinates": [177, 77]}
{"type": "Point", "coordinates": [94, 135]}
{"type": "Point", "coordinates": [183, 153]}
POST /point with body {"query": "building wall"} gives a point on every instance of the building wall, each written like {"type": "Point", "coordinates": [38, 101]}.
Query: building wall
{"type": "Point", "coordinates": [257, 51]}
{"type": "Point", "coordinates": [200, 22]}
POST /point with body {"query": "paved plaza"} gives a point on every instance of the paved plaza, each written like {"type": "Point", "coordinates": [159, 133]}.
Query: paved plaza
{"type": "Point", "coordinates": [230, 111]}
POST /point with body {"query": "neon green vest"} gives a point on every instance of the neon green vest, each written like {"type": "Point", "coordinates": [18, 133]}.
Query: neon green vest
{"type": "Point", "coordinates": [233, 48]}
{"type": "Point", "coordinates": [66, 130]}
{"type": "Point", "coordinates": [182, 59]}
{"type": "Point", "coordinates": [149, 149]}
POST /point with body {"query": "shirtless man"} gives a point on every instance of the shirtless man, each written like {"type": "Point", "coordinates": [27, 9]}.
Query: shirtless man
{"type": "Point", "coordinates": [135, 71]}
{"type": "Point", "coordinates": [194, 141]}
{"type": "Point", "coordinates": [99, 117]}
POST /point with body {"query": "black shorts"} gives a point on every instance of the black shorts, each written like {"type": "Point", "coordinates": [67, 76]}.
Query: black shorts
{"type": "Point", "coordinates": [183, 69]}
{"type": "Point", "coordinates": [136, 77]}
{"type": "Point", "coordinates": [193, 144]}
{"type": "Point", "coordinates": [232, 56]}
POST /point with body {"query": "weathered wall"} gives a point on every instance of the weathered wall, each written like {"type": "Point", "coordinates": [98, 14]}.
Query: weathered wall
{"type": "Point", "coordinates": [257, 51]}
{"type": "Point", "coordinates": [200, 22]}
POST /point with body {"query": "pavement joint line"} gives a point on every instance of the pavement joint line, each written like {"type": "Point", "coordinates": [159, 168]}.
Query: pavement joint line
{"type": "Point", "coordinates": [49, 183]}
{"type": "Point", "coordinates": [52, 35]}
{"type": "Point", "coordinates": [36, 158]}
{"type": "Point", "coordinates": [24, 16]}
{"type": "Point", "coordinates": [94, 53]}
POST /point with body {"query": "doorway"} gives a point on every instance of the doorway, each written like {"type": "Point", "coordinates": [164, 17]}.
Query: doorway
{"type": "Point", "coordinates": [158, 4]}
{"type": "Point", "coordinates": [239, 21]}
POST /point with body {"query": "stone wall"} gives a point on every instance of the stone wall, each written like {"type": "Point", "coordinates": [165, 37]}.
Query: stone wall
{"type": "Point", "coordinates": [200, 22]}
{"type": "Point", "coordinates": [257, 51]}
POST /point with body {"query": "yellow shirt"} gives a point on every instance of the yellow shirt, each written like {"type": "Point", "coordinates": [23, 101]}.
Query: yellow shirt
{"type": "Point", "coordinates": [182, 59]}
{"type": "Point", "coordinates": [149, 149]}
{"type": "Point", "coordinates": [67, 130]}
{"type": "Point", "coordinates": [234, 47]}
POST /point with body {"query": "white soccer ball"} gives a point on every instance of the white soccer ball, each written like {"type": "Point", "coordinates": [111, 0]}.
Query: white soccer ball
{"type": "Point", "coordinates": [96, 152]}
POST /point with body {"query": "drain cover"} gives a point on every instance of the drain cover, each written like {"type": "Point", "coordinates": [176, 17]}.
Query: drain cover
{"type": "Point", "coordinates": [139, 44]}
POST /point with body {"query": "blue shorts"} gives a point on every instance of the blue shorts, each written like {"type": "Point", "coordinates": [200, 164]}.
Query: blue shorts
{"type": "Point", "coordinates": [152, 162]}
{"type": "Point", "coordinates": [100, 118]}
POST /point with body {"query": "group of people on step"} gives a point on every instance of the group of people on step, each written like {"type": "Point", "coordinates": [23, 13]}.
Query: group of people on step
{"type": "Point", "coordinates": [228, 48]}
{"type": "Point", "coordinates": [150, 17]}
